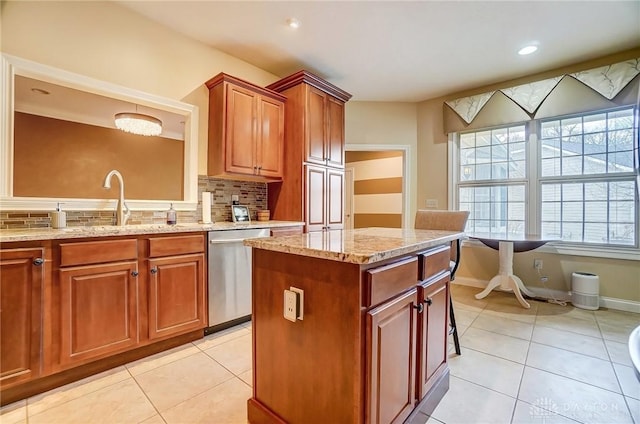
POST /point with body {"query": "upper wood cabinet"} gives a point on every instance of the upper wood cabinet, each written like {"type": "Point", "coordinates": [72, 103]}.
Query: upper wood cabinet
{"type": "Point", "coordinates": [246, 130]}
{"type": "Point", "coordinates": [312, 187]}
{"type": "Point", "coordinates": [22, 272]}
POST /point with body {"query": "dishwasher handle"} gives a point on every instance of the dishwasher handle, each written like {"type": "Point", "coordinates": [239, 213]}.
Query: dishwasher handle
{"type": "Point", "coordinates": [227, 241]}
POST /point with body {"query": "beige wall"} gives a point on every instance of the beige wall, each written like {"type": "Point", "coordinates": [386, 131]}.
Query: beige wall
{"type": "Point", "coordinates": [106, 41]}
{"type": "Point", "coordinates": [618, 278]}
{"type": "Point", "coordinates": [386, 123]}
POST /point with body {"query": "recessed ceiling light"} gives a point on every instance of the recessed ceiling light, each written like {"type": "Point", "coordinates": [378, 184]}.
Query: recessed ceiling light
{"type": "Point", "coordinates": [527, 50]}
{"type": "Point", "coordinates": [293, 23]}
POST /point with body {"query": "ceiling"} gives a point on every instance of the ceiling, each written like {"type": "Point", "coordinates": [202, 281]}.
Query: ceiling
{"type": "Point", "coordinates": [402, 50]}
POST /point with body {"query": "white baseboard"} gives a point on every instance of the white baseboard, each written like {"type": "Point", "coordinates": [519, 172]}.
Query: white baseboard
{"type": "Point", "coordinates": [605, 302]}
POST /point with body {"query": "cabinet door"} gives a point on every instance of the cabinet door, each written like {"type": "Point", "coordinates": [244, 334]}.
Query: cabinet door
{"type": "Point", "coordinates": [433, 330]}
{"type": "Point", "coordinates": [20, 314]}
{"type": "Point", "coordinates": [269, 150]}
{"type": "Point", "coordinates": [99, 305]}
{"type": "Point", "coordinates": [316, 192]}
{"type": "Point", "coordinates": [176, 295]}
{"type": "Point", "coordinates": [335, 139]}
{"type": "Point", "coordinates": [240, 126]}
{"type": "Point", "coordinates": [316, 126]}
{"type": "Point", "coordinates": [335, 199]}
{"type": "Point", "coordinates": [391, 362]}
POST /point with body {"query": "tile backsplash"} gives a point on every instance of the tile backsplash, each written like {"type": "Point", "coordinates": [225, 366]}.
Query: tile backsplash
{"type": "Point", "coordinates": [251, 194]}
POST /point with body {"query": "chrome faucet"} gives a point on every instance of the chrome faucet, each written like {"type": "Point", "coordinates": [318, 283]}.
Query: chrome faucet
{"type": "Point", "coordinates": [121, 215]}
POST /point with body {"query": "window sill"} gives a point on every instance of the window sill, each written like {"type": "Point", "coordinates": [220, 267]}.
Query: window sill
{"type": "Point", "coordinates": [629, 254]}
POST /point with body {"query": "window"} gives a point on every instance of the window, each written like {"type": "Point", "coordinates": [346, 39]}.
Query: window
{"type": "Point", "coordinates": [573, 181]}
{"type": "Point", "coordinates": [493, 185]}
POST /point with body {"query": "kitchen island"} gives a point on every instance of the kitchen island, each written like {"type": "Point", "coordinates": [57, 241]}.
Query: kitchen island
{"type": "Point", "coordinates": [370, 341]}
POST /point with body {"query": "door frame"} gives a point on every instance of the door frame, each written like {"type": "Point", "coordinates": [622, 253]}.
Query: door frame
{"type": "Point", "coordinates": [349, 200]}
{"type": "Point", "coordinates": [406, 174]}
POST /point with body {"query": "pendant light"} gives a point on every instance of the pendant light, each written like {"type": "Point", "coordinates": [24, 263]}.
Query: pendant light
{"type": "Point", "coordinates": [138, 123]}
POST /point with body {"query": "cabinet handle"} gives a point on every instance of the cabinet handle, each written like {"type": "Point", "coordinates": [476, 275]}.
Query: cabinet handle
{"type": "Point", "coordinates": [38, 261]}
{"type": "Point", "coordinates": [428, 301]}
{"type": "Point", "coordinates": [419, 307]}
{"type": "Point", "coordinates": [134, 273]}
{"type": "Point", "coordinates": [154, 270]}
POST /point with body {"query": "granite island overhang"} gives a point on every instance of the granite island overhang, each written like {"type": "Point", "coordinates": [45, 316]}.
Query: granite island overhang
{"type": "Point", "coordinates": [371, 345]}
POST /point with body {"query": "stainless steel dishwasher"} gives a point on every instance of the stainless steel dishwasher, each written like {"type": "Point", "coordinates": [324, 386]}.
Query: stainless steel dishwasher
{"type": "Point", "coordinates": [230, 277]}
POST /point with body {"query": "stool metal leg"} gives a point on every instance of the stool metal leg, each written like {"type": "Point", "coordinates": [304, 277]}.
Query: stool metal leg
{"type": "Point", "coordinates": [454, 329]}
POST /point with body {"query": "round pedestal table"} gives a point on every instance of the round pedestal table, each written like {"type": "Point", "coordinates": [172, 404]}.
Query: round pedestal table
{"type": "Point", "coordinates": [506, 279]}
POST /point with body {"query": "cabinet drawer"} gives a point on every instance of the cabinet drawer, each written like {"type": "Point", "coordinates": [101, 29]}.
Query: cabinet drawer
{"type": "Point", "coordinates": [178, 245]}
{"type": "Point", "coordinates": [390, 280]}
{"type": "Point", "coordinates": [434, 261]}
{"type": "Point", "coordinates": [93, 252]}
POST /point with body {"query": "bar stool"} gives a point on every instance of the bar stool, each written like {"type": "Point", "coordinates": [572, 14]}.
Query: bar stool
{"type": "Point", "coordinates": [446, 221]}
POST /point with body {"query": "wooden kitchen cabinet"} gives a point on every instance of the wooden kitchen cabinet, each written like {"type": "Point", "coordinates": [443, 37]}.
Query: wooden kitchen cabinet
{"type": "Point", "coordinates": [433, 329]}
{"type": "Point", "coordinates": [324, 140]}
{"type": "Point", "coordinates": [377, 331]}
{"type": "Point", "coordinates": [98, 295]}
{"type": "Point", "coordinates": [99, 311]}
{"type": "Point", "coordinates": [391, 354]}
{"type": "Point", "coordinates": [246, 130]}
{"type": "Point", "coordinates": [314, 136]}
{"type": "Point", "coordinates": [176, 286]}
{"type": "Point", "coordinates": [324, 198]}
{"type": "Point", "coordinates": [22, 273]}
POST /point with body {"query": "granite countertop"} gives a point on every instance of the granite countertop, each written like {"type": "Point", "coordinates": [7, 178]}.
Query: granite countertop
{"type": "Point", "coordinates": [360, 246]}
{"type": "Point", "coordinates": [35, 234]}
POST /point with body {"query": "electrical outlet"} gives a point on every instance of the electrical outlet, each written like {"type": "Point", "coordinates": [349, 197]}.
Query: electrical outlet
{"type": "Point", "coordinates": [537, 263]}
{"type": "Point", "coordinates": [432, 203]}
{"type": "Point", "coordinates": [290, 305]}
{"type": "Point", "coordinates": [300, 302]}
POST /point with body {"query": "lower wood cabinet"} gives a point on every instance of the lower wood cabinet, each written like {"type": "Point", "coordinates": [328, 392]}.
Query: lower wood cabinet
{"type": "Point", "coordinates": [74, 307]}
{"type": "Point", "coordinates": [433, 328]}
{"type": "Point", "coordinates": [98, 310]}
{"type": "Point", "coordinates": [391, 353]}
{"type": "Point", "coordinates": [22, 273]}
{"type": "Point", "coordinates": [176, 295]}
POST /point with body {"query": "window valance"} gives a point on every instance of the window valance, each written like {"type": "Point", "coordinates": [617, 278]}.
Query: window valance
{"type": "Point", "coordinates": [597, 88]}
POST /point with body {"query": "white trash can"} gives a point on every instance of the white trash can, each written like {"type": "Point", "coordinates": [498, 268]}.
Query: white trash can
{"type": "Point", "coordinates": [585, 290]}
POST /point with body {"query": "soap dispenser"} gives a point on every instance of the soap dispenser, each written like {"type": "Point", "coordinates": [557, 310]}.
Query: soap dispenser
{"type": "Point", "coordinates": [58, 218]}
{"type": "Point", "coordinates": [171, 215]}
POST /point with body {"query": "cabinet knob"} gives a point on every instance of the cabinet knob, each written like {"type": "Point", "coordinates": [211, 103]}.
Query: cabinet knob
{"type": "Point", "coordinates": [419, 307]}
{"type": "Point", "coordinates": [134, 273]}
{"type": "Point", "coordinates": [428, 301]}
{"type": "Point", "coordinates": [38, 261]}
{"type": "Point", "coordinates": [154, 270]}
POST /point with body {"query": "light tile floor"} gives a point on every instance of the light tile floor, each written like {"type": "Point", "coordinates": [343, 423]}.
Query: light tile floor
{"type": "Point", "coordinates": [548, 364]}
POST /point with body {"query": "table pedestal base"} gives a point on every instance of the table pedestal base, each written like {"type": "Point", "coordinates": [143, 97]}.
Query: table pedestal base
{"type": "Point", "coordinates": [505, 279]}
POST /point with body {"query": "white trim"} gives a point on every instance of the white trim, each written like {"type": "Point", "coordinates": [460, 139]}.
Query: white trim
{"type": "Point", "coordinates": [452, 168]}
{"type": "Point", "coordinates": [406, 171]}
{"type": "Point", "coordinates": [12, 66]}
{"type": "Point", "coordinates": [605, 302]}
{"type": "Point", "coordinates": [620, 304]}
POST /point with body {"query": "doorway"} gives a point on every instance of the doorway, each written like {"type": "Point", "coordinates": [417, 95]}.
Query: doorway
{"type": "Point", "coordinates": [375, 186]}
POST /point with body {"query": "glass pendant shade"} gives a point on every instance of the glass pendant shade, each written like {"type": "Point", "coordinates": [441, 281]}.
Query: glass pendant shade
{"type": "Point", "coordinates": [137, 123]}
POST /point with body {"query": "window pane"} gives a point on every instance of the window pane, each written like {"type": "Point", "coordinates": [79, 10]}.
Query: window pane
{"type": "Point", "coordinates": [595, 143]}
{"type": "Point", "coordinates": [621, 140]}
{"type": "Point", "coordinates": [550, 167]}
{"type": "Point", "coordinates": [621, 234]}
{"type": "Point", "coordinates": [595, 211]}
{"type": "Point", "coordinates": [572, 165]}
{"type": "Point", "coordinates": [621, 211]}
{"type": "Point", "coordinates": [621, 119]}
{"type": "Point", "coordinates": [595, 123]}
{"type": "Point", "coordinates": [620, 162]}
{"type": "Point", "coordinates": [572, 231]}
{"type": "Point", "coordinates": [550, 129]}
{"type": "Point", "coordinates": [467, 140]}
{"type": "Point", "coordinates": [551, 148]}
{"type": "Point", "coordinates": [551, 211]}
{"type": "Point", "coordinates": [595, 232]}
{"type": "Point", "coordinates": [499, 152]}
{"type": "Point", "coordinates": [571, 192]}
{"type": "Point", "coordinates": [551, 192]}
{"type": "Point", "coordinates": [571, 126]}
{"type": "Point", "coordinates": [624, 190]}
{"type": "Point", "coordinates": [551, 230]}
{"type": "Point", "coordinates": [517, 134]}
{"type": "Point", "coordinates": [595, 164]}
{"type": "Point", "coordinates": [483, 138]}
{"type": "Point", "coordinates": [516, 193]}
{"type": "Point", "coordinates": [572, 212]}
{"type": "Point", "coordinates": [596, 191]}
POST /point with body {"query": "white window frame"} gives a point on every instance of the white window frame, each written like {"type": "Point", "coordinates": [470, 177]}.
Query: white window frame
{"type": "Point", "coordinates": [532, 212]}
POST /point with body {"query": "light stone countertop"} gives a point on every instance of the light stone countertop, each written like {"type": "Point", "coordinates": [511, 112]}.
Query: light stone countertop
{"type": "Point", "coordinates": [37, 234]}
{"type": "Point", "coordinates": [360, 246]}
